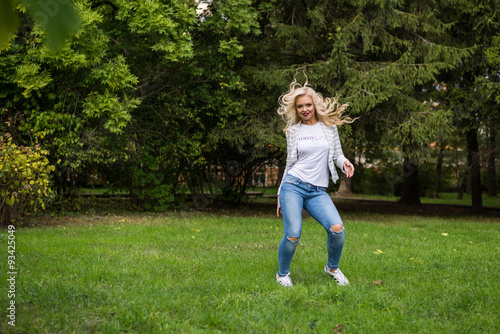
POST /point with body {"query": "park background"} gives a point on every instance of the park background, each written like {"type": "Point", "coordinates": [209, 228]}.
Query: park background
{"type": "Point", "coordinates": [157, 117]}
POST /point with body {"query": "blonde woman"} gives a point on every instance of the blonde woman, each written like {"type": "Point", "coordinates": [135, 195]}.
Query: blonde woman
{"type": "Point", "coordinates": [313, 150]}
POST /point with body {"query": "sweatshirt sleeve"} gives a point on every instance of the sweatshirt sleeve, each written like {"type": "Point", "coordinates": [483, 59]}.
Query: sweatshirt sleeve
{"type": "Point", "coordinates": [290, 156]}
{"type": "Point", "coordinates": [338, 156]}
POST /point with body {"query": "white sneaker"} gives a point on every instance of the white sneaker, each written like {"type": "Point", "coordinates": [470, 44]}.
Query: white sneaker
{"type": "Point", "coordinates": [284, 280]}
{"type": "Point", "coordinates": [338, 275]}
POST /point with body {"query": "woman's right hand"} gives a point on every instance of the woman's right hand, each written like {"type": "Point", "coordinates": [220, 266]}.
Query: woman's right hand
{"type": "Point", "coordinates": [278, 208]}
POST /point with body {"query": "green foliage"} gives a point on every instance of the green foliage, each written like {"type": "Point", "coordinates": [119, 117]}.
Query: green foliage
{"type": "Point", "coordinates": [383, 57]}
{"type": "Point", "coordinates": [72, 101]}
{"type": "Point", "coordinates": [149, 192]}
{"type": "Point", "coordinates": [29, 77]}
{"type": "Point", "coordinates": [163, 24]}
{"type": "Point", "coordinates": [491, 85]}
{"type": "Point", "coordinates": [493, 52]}
{"type": "Point", "coordinates": [151, 96]}
{"type": "Point", "coordinates": [115, 74]}
{"type": "Point", "coordinates": [110, 107]}
{"type": "Point", "coordinates": [195, 122]}
{"type": "Point", "coordinates": [8, 22]}
{"type": "Point", "coordinates": [232, 48]}
{"type": "Point", "coordinates": [24, 180]}
{"type": "Point", "coordinates": [59, 20]}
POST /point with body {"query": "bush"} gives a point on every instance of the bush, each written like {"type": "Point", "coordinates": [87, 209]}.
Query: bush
{"type": "Point", "coordinates": [150, 188]}
{"type": "Point", "coordinates": [24, 180]}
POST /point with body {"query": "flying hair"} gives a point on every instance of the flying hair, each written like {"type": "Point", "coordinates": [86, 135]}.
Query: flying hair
{"type": "Point", "coordinates": [328, 110]}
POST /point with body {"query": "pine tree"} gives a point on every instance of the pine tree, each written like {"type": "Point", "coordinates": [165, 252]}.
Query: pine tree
{"type": "Point", "coordinates": [383, 57]}
{"type": "Point", "coordinates": [473, 86]}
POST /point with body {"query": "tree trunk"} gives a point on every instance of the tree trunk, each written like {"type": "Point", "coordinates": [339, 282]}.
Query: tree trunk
{"type": "Point", "coordinates": [409, 191]}
{"type": "Point", "coordinates": [345, 188]}
{"type": "Point", "coordinates": [463, 185]}
{"type": "Point", "coordinates": [492, 173]}
{"type": "Point", "coordinates": [439, 165]}
{"type": "Point", "coordinates": [474, 169]}
{"type": "Point", "coordinates": [280, 175]}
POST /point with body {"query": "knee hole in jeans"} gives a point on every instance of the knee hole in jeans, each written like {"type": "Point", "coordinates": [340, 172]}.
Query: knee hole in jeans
{"type": "Point", "coordinates": [337, 228]}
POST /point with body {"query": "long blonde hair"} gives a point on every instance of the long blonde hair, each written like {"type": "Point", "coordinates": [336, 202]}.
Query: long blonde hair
{"type": "Point", "coordinates": [328, 110]}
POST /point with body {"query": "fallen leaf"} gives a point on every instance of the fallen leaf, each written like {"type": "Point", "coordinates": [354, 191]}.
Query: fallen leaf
{"type": "Point", "coordinates": [338, 328]}
{"type": "Point", "coordinates": [378, 282]}
{"type": "Point", "coordinates": [378, 252]}
{"type": "Point", "coordinates": [445, 234]}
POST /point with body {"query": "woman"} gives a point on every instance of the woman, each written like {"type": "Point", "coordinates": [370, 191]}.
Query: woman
{"type": "Point", "coordinates": [313, 147]}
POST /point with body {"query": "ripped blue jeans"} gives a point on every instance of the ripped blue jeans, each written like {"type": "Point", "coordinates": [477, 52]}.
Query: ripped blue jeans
{"type": "Point", "coordinates": [294, 196]}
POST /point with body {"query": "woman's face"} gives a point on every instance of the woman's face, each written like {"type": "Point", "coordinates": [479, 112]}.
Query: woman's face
{"type": "Point", "coordinates": [306, 110]}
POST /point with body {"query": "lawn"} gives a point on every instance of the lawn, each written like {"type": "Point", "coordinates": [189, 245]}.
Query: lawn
{"type": "Point", "coordinates": [449, 198]}
{"type": "Point", "coordinates": [213, 272]}
{"type": "Point", "coordinates": [444, 198]}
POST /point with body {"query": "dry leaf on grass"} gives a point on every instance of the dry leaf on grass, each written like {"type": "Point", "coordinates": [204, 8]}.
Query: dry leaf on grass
{"type": "Point", "coordinates": [378, 282]}
{"type": "Point", "coordinates": [338, 329]}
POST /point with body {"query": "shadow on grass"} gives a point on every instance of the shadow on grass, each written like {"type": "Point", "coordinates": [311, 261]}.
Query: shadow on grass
{"type": "Point", "coordinates": [92, 209]}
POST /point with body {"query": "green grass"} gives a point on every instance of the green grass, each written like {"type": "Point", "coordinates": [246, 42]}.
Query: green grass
{"type": "Point", "coordinates": [102, 190]}
{"type": "Point", "coordinates": [451, 198]}
{"type": "Point", "coordinates": [200, 273]}
{"type": "Point", "coordinates": [444, 198]}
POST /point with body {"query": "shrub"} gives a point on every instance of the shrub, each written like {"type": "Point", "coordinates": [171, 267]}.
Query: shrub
{"type": "Point", "coordinates": [149, 192]}
{"type": "Point", "coordinates": [24, 180]}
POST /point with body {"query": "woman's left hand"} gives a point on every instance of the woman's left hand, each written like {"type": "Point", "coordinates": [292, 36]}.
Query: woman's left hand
{"type": "Point", "coordinates": [348, 168]}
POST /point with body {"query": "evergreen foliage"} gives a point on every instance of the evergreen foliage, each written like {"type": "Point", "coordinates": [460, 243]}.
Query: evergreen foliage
{"type": "Point", "coordinates": [471, 86]}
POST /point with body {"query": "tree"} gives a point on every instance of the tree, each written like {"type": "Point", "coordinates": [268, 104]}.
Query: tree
{"type": "Point", "coordinates": [74, 102]}
{"type": "Point", "coordinates": [477, 25]}
{"type": "Point", "coordinates": [147, 94]}
{"type": "Point", "coordinates": [381, 56]}
{"type": "Point", "coordinates": [492, 88]}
